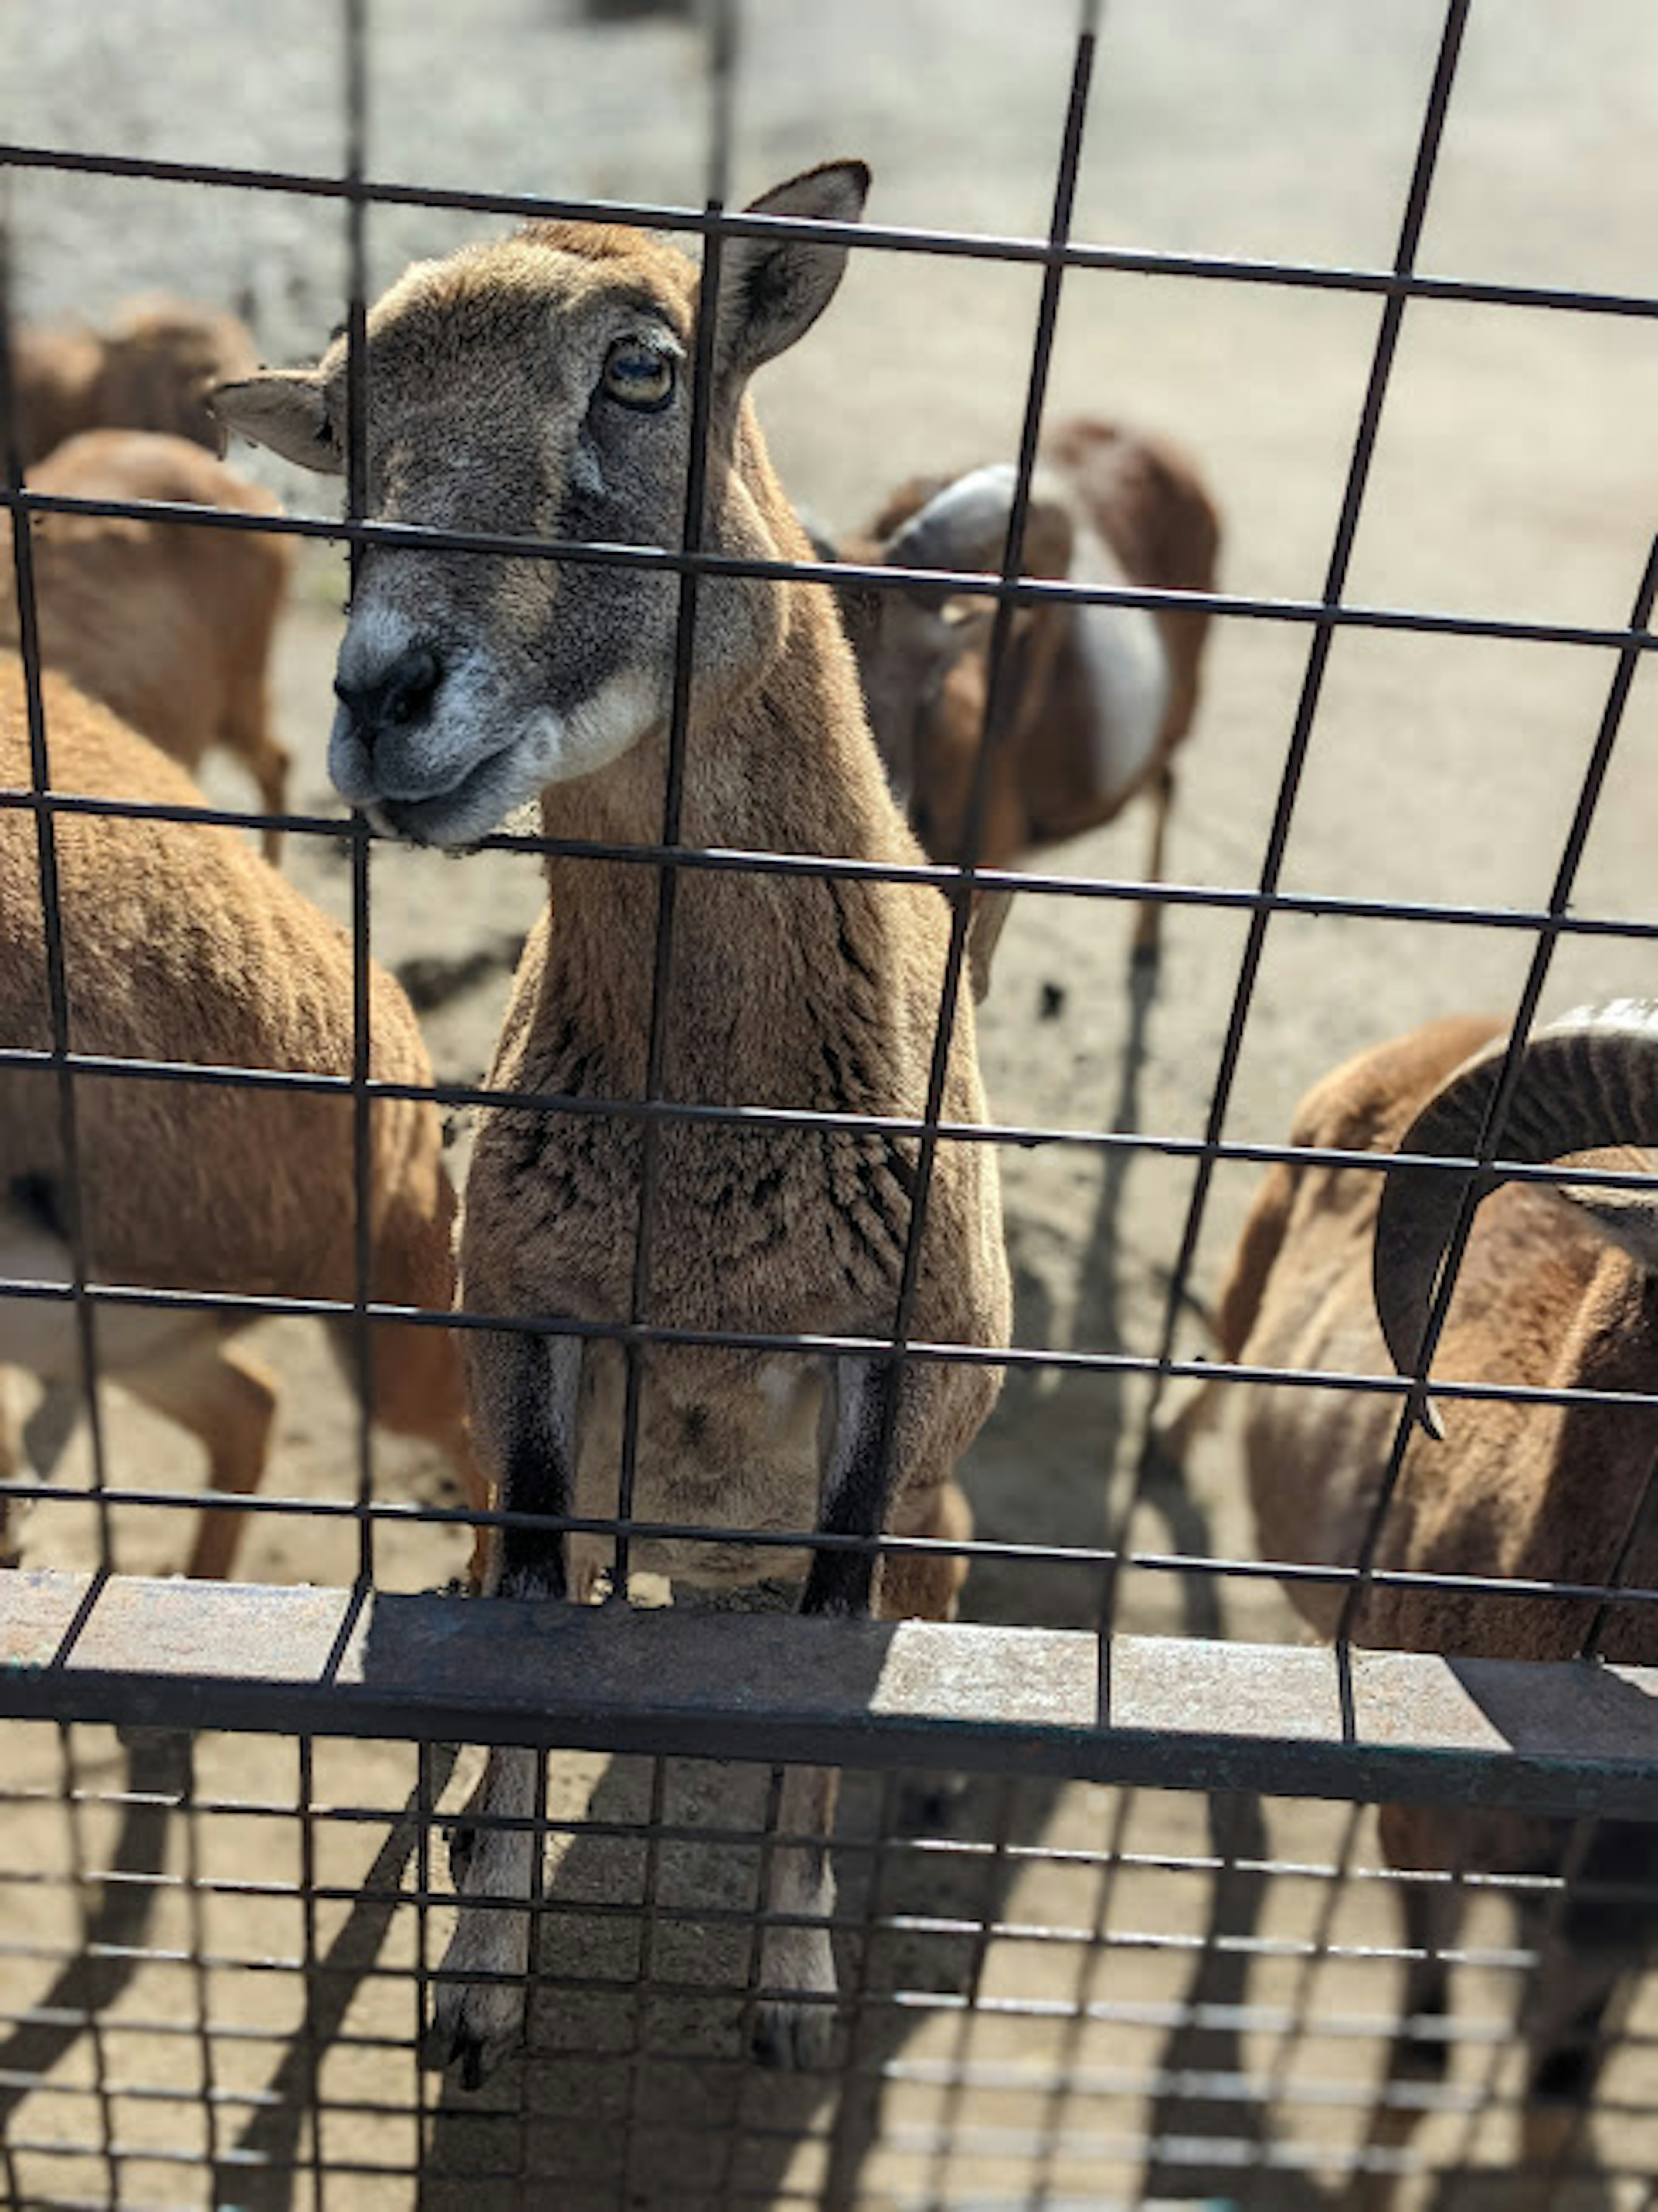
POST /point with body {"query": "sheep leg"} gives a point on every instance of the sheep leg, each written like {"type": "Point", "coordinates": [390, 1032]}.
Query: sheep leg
{"type": "Point", "coordinates": [1148, 926]}
{"type": "Point", "coordinates": [222, 1395]}
{"type": "Point", "coordinates": [1564, 2025]}
{"type": "Point", "coordinates": [418, 1391]}
{"type": "Point", "coordinates": [791, 2030]}
{"type": "Point", "coordinates": [269, 767]}
{"type": "Point", "coordinates": [1418, 2059]}
{"type": "Point", "coordinates": [247, 734]}
{"type": "Point", "coordinates": [787, 2031]}
{"type": "Point", "coordinates": [524, 1394]}
{"type": "Point", "coordinates": [924, 1586]}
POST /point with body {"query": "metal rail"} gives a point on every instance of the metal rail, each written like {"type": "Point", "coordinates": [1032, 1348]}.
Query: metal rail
{"type": "Point", "coordinates": [1160, 1711]}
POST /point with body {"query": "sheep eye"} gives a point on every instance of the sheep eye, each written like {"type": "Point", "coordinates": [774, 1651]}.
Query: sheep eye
{"type": "Point", "coordinates": [638, 376]}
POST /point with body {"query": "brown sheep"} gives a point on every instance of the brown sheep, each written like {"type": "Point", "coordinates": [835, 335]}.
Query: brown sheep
{"type": "Point", "coordinates": [182, 945]}
{"type": "Point", "coordinates": [468, 686]}
{"type": "Point", "coordinates": [151, 371]}
{"type": "Point", "coordinates": [167, 624]}
{"type": "Point", "coordinates": [1558, 1289]}
{"type": "Point", "coordinates": [1096, 698]}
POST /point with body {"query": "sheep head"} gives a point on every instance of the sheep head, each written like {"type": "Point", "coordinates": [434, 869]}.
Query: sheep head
{"type": "Point", "coordinates": [539, 386]}
{"type": "Point", "coordinates": [908, 643]}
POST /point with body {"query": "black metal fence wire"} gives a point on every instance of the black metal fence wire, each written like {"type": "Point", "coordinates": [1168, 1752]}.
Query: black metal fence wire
{"type": "Point", "coordinates": [954, 2140]}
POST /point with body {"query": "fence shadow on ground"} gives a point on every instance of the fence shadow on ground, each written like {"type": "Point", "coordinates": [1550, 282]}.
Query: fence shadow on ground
{"type": "Point", "coordinates": [259, 2170]}
{"type": "Point", "coordinates": [117, 1921]}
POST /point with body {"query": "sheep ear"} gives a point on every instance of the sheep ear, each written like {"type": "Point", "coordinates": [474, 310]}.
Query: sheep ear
{"type": "Point", "coordinates": [772, 290]}
{"type": "Point", "coordinates": [964, 525]}
{"type": "Point", "coordinates": [285, 409]}
{"type": "Point", "coordinates": [984, 929]}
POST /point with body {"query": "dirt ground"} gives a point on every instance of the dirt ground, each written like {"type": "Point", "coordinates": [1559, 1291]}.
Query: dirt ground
{"type": "Point", "coordinates": [1513, 478]}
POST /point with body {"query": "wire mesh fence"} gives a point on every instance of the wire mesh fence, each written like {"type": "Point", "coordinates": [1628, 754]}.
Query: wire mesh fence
{"type": "Point", "coordinates": [228, 1944]}
{"type": "Point", "coordinates": [1131, 1957]}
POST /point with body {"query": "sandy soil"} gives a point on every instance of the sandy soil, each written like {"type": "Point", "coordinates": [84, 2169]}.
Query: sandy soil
{"type": "Point", "coordinates": [1513, 478]}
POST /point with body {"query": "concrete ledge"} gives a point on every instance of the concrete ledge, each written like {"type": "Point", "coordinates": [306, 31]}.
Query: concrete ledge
{"type": "Point", "coordinates": [1162, 1711]}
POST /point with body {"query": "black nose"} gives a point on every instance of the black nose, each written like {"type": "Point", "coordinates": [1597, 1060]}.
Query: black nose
{"type": "Point", "coordinates": [399, 694]}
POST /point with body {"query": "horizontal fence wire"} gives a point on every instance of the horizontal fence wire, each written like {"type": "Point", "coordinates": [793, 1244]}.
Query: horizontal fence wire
{"type": "Point", "coordinates": [1032, 2007]}
{"type": "Point", "coordinates": [876, 237]}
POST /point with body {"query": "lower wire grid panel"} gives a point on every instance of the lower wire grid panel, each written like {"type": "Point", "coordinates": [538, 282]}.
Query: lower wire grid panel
{"type": "Point", "coordinates": [220, 1950]}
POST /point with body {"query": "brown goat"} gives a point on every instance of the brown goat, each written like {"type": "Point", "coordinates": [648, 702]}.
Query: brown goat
{"type": "Point", "coordinates": [181, 945]}
{"type": "Point", "coordinates": [1096, 698]}
{"type": "Point", "coordinates": [151, 371]}
{"type": "Point", "coordinates": [1557, 1290]}
{"type": "Point", "coordinates": [169, 624]}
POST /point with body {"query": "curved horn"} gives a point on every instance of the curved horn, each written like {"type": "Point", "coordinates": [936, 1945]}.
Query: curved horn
{"type": "Point", "coordinates": [1588, 1081]}
{"type": "Point", "coordinates": [962, 526]}
{"type": "Point", "coordinates": [965, 525]}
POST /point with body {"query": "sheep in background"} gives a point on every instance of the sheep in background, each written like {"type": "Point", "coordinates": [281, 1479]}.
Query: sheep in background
{"type": "Point", "coordinates": [1558, 1288]}
{"type": "Point", "coordinates": [181, 944]}
{"type": "Point", "coordinates": [152, 370]}
{"type": "Point", "coordinates": [468, 685]}
{"type": "Point", "coordinates": [168, 624]}
{"type": "Point", "coordinates": [1096, 698]}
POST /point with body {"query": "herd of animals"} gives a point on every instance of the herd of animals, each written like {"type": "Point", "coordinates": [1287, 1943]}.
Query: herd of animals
{"type": "Point", "coordinates": [541, 385]}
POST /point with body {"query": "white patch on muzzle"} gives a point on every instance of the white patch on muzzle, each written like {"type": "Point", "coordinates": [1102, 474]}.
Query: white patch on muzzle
{"type": "Point", "coordinates": [456, 774]}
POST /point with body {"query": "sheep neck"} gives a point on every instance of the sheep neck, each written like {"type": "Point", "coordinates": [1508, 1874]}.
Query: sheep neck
{"type": "Point", "coordinates": [758, 963]}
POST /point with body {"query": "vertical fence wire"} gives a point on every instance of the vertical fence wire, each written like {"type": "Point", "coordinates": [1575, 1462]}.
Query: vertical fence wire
{"type": "Point", "coordinates": [855, 2123]}
{"type": "Point", "coordinates": [707, 306]}
{"type": "Point", "coordinates": [196, 1920]}
{"type": "Point", "coordinates": [648, 1970]}
{"type": "Point", "coordinates": [354, 32]}
{"type": "Point", "coordinates": [1357, 480]}
{"type": "Point", "coordinates": [994, 1871]}
{"type": "Point", "coordinates": [962, 884]}
{"type": "Point", "coordinates": [1047, 2173]}
{"type": "Point", "coordinates": [308, 2136]}
{"type": "Point", "coordinates": [420, 1982]}
{"type": "Point", "coordinates": [537, 1933]}
{"type": "Point", "coordinates": [723, 52]}
{"type": "Point", "coordinates": [1275, 2081]}
{"type": "Point", "coordinates": [721, 65]}
{"type": "Point", "coordinates": [68, 1195]}
{"type": "Point", "coordinates": [81, 1875]}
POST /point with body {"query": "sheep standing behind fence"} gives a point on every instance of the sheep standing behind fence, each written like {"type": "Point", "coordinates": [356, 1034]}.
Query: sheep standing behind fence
{"type": "Point", "coordinates": [182, 945]}
{"type": "Point", "coordinates": [469, 685]}
{"type": "Point", "coordinates": [1094, 699]}
{"type": "Point", "coordinates": [151, 370]}
{"type": "Point", "coordinates": [169, 623]}
{"type": "Point", "coordinates": [1557, 1290]}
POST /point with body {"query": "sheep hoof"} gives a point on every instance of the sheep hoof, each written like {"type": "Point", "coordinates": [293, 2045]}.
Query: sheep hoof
{"type": "Point", "coordinates": [444, 2047]}
{"type": "Point", "coordinates": [473, 2029]}
{"type": "Point", "coordinates": [793, 2038]}
{"type": "Point", "coordinates": [924, 1806]}
{"type": "Point", "coordinates": [461, 1839]}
